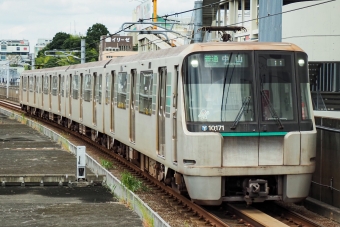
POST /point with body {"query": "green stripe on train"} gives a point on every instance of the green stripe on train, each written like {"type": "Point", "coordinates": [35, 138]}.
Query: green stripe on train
{"type": "Point", "coordinates": [253, 134]}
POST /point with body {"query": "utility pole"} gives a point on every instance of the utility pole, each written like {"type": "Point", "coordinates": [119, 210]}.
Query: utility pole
{"type": "Point", "coordinates": [198, 22]}
{"type": "Point", "coordinates": [155, 13]}
{"type": "Point", "coordinates": [82, 51]}
{"type": "Point", "coordinates": [33, 61]}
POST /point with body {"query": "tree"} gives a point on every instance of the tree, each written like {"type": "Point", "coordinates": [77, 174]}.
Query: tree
{"type": "Point", "coordinates": [58, 41]}
{"type": "Point", "coordinates": [64, 41]}
{"type": "Point", "coordinates": [93, 35]}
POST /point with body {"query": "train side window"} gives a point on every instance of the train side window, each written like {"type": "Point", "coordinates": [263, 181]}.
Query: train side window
{"type": "Point", "coordinates": [37, 84]}
{"type": "Point", "coordinates": [62, 85]}
{"type": "Point", "coordinates": [54, 85]}
{"type": "Point", "coordinates": [107, 88]}
{"type": "Point", "coordinates": [87, 88]}
{"type": "Point", "coordinates": [31, 83]}
{"type": "Point", "coordinates": [75, 86]}
{"type": "Point", "coordinates": [145, 92]}
{"type": "Point", "coordinates": [100, 89]}
{"type": "Point", "coordinates": [24, 84]}
{"type": "Point", "coordinates": [122, 90]}
{"type": "Point", "coordinates": [46, 85]}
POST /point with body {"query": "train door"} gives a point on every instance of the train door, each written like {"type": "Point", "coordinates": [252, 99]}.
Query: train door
{"type": "Point", "coordinates": [132, 105]}
{"type": "Point", "coordinates": [81, 96]}
{"type": "Point", "coordinates": [59, 93]}
{"type": "Point", "coordinates": [277, 105]}
{"type": "Point", "coordinates": [161, 110]}
{"type": "Point", "coordinates": [95, 94]}
{"type": "Point", "coordinates": [70, 95]}
{"type": "Point", "coordinates": [112, 113]}
{"type": "Point", "coordinates": [174, 116]}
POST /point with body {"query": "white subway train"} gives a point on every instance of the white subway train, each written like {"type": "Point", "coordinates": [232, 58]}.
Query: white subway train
{"type": "Point", "coordinates": [220, 121]}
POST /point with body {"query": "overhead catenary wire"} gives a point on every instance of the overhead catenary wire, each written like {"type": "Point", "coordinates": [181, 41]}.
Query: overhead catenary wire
{"type": "Point", "coordinates": [270, 15]}
{"type": "Point", "coordinates": [209, 5]}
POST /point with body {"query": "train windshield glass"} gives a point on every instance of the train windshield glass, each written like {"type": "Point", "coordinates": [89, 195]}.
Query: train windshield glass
{"type": "Point", "coordinates": [219, 87]}
{"type": "Point", "coordinates": [276, 86]}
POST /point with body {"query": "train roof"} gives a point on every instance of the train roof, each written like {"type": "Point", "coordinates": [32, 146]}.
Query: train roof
{"type": "Point", "coordinates": [178, 51]}
{"type": "Point", "coordinates": [212, 46]}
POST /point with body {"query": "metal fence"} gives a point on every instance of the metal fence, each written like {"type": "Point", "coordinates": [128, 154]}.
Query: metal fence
{"type": "Point", "coordinates": [326, 178]}
{"type": "Point", "coordinates": [13, 93]}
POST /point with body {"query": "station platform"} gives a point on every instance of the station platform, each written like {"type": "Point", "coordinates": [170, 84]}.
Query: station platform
{"type": "Point", "coordinates": [327, 114]}
{"type": "Point", "coordinates": [28, 157]}
{"type": "Point", "coordinates": [39, 185]}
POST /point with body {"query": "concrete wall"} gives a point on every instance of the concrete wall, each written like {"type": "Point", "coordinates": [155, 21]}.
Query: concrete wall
{"type": "Point", "coordinates": [314, 29]}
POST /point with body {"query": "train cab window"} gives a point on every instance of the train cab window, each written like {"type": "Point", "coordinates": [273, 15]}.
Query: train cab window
{"type": "Point", "coordinates": [54, 85]}
{"type": "Point", "coordinates": [301, 63]}
{"type": "Point", "coordinates": [30, 81]}
{"type": "Point", "coordinates": [122, 90]}
{"type": "Point", "coordinates": [46, 85]}
{"type": "Point", "coordinates": [87, 88]}
{"type": "Point", "coordinates": [218, 87]}
{"type": "Point", "coordinates": [62, 84]}
{"type": "Point", "coordinates": [145, 92]}
{"type": "Point", "coordinates": [276, 86]}
{"type": "Point", "coordinates": [75, 86]}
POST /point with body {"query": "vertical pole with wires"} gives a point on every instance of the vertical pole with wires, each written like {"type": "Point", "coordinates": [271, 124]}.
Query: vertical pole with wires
{"type": "Point", "coordinates": [82, 51]}
{"type": "Point", "coordinates": [198, 21]}
{"type": "Point", "coordinates": [7, 72]}
{"type": "Point", "coordinates": [33, 61]}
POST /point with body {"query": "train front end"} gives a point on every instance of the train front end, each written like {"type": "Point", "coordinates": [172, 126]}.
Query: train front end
{"type": "Point", "coordinates": [249, 132]}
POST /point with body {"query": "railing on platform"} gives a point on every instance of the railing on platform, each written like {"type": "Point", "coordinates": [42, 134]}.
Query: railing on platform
{"type": "Point", "coordinates": [13, 93]}
{"type": "Point", "coordinates": [325, 185]}
{"type": "Point", "coordinates": [324, 100]}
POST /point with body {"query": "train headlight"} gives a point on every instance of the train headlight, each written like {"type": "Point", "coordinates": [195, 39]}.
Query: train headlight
{"type": "Point", "coordinates": [194, 63]}
{"type": "Point", "coordinates": [301, 62]}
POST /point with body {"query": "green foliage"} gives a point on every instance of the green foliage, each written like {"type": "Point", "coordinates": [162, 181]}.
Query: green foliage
{"type": "Point", "coordinates": [64, 41]}
{"type": "Point", "coordinates": [132, 183]}
{"type": "Point", "coordinates": [93, 35]}
{"type": "Point", "coordinates": [58, 41]}
{"type": "Point", "coordinates": [106, 164]}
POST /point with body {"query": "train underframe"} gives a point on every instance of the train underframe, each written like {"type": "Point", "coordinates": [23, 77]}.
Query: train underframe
{"type": "Point", "coordinates": [232, 188]}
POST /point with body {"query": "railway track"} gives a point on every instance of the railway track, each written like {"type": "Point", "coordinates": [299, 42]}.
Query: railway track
{"type": "Point", "coordinates": [226, 215]}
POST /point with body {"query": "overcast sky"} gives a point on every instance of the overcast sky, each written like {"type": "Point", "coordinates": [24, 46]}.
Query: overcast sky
{"type": "Point", "coordinates": [34, 19]}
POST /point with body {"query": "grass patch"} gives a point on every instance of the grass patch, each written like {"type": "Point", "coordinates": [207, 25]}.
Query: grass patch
{"type": "Point", "coordinates": [132, 183]}
{"type": "Point", "coordinates": [106, 164]}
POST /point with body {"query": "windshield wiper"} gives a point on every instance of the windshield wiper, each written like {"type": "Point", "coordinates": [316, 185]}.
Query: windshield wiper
{"type": "Point", "coordinates": [245, 103]}
{"type": "Point", "coordinates": [271, 109]}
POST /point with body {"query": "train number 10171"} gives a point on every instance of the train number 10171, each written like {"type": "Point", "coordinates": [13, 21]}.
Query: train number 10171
{"type": "Point", "coordinates": [213, 128]}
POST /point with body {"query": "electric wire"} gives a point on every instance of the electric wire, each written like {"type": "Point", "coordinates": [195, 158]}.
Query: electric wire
{"type": "Point", "coordinates": [186, 11]}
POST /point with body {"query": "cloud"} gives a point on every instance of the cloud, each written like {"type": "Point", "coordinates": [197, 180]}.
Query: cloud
{"type": "Point", "coordinates": [36, 19]}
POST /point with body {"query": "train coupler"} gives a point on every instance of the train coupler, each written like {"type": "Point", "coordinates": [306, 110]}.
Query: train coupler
{"type": "Point", "coordinates": [255, 190]}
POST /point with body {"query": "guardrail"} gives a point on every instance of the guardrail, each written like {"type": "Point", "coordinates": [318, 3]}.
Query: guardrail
{"type": "Point", "coordinates": [326, 100]}
{"type": "Point", "coordinates": [325, 185]}
{"type": "Point", "coordinates": [13, 93]}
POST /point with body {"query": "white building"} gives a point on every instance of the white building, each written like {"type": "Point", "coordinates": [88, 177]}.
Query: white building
{"type": "Point", "coordinates": [15, 51]}
{"type": "Point", "coordinates": [41, 43]}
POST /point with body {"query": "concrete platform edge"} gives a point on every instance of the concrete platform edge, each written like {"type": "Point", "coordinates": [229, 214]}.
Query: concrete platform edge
{"type": "Point", "coordinates": [124, 195]}
{"type": "Point", "coordinates": [322, 209]}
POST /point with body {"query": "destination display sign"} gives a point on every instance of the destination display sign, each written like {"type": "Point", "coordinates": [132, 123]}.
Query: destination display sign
{"type": "Point", "coordinates": [225, 60]}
